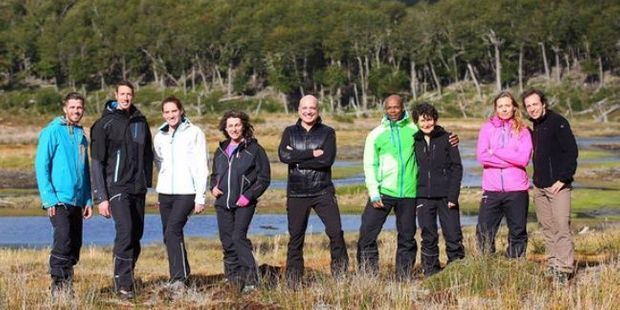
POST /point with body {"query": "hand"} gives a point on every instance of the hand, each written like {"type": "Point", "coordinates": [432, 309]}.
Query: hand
{"type": "Point", "coordinates": [317, 153]}
{"type": "Point", "coordinates": [451, 205]}
{"type": "Point", "coordinates": [51, 211]}
{"type": "Point", "coordinates": [453, 139]}
{"type": "Point", "coordinates": [87, 212]}
{"type": "Point", "coordinates": [377, 204]}
{"type": "Point", "coordinates": [198, 208]}
{"type": "Point", "coordinates": [556, 187]}
{"type": "Point", "coordinates": [242, 202]}
{"type": "Point", "coordinates": [104, 209]}
{"type": "Point", "coordinates": [216, 192]}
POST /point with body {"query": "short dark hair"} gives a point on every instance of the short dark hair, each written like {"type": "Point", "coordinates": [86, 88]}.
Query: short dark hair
{"type": "Point", "coordinates": [125, 83]}
{"type": "Point", "coordinates": [534, 91]}
{"type": "Point", "coordinates": [248, 129]}
{"type": "Point", "coordinates": [75, 96]}
{"type": "Point", "coordinates": [174, 100]}
{"type": "Point", "coordinates": [424, 109]}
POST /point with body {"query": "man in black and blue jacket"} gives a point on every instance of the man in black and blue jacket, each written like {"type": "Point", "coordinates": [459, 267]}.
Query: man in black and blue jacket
{"type": "Point", "coordinates": [122, 167]}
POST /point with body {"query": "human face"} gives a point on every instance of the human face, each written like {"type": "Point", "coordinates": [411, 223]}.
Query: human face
{"type": "Point", "coordinates": [426, 124]}
{"type": "Point", "coordinates": [504, 108]}
{"type": "Point", "coordinates": [74, 110]}
{"type": "Point", "coordinates": [393, 109]}
{"type": "Point", "coordinates": [308, 111]}
{"type": "Point", "coordinates": [234, 129]}
{"type": "Point", "coordinates": [172, 114]}
{"type": "Point", "coordinates": [534, 106]}
{"type": "Point", "coordinates": [124, 97]}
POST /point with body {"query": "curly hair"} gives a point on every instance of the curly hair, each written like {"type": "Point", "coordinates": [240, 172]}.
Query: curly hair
{"type": "Point", "coordinates": [517, 124]}
{"type": "Point", "coordinates": [248, 129]}
{"type": "Point", "coordinates": [424, 109]}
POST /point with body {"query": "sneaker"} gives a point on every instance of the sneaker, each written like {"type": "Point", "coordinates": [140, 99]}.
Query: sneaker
{"type": "Point", "coordinates": [125, 295]}
{"type": "Point", "coordinates": [248, 288]}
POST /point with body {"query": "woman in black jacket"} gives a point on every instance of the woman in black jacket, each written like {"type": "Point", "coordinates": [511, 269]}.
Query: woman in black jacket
{"type": "Point", "coordinates": [241, 174]}
{"type": "Point", "coordinates": [439, 183]}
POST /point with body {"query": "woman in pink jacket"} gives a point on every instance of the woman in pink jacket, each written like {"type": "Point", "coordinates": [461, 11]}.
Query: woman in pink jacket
{"type": "Point", "coordinates": [504, 150]}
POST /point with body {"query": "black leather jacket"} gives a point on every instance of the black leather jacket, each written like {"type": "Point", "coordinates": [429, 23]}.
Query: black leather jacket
{"type": "Point", "coordinates": [246, 171]}
{"type": "Point", "coordinates": [308, 175]}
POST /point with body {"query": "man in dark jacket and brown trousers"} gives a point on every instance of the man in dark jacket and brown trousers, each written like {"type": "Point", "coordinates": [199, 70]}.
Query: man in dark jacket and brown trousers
{"type": "Point", "coordinates": [439, 183]}
{"type": "Point", "coordinates": [309, 149]}
{"type": "Point", "coordinates": [555, 164]}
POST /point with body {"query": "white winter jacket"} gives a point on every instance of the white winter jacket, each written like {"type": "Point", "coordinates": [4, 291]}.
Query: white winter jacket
{"type": "Point", "coordinates": [181, 158]}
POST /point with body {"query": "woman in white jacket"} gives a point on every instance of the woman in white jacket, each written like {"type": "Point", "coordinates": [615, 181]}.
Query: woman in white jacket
{"type": "Point", "coordinates": [181, 157]}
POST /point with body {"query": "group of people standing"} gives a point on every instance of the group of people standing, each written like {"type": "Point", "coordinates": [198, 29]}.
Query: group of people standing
{"type": "Point", "coordinates": [411, 165]}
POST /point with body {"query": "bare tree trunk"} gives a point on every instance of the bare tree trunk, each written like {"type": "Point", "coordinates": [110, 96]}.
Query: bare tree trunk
{"type": "Point", "coordinates": [338, 99]}
{"type": "Point", "coordinates": [558, 68]}
{"type": "Point", "coordinates": [284, 102]}
{"type": "Point", "coordinates": [364, 69]}
{"type": "Point", "coordinates": [193, 78]}
{"type": "Point", "coordinates": [496, 42]}
{"type": "Point", "coordinates": [601, 75]}
{"type": "Point", "coordinates": [123, 68]}
{"type": "Point", "coordinates": [520, 69]}
{"type": "Point", "coordinates": [229, 77]}
{"type": "Point", "coordinates": [567, 60]}
{"type": "Point", "coordinates": [435, 78]}
{"type": "Point", "coordinates": [455, 69]}
{"type": "Point", "coordinates": [473, 77]}
{"type": "Point", "coordinates": [414, 81]}
{"type": "Point", "coordinates": [216, 73]}
{"type": "Point", "coordinates": [546, 64]}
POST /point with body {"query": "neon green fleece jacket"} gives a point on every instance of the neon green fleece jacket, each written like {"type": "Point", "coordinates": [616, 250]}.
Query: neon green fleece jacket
{"type": "Point", "coordinates": [389, 159]}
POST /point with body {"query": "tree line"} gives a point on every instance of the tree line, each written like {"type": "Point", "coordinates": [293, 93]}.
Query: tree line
{"type": "Point", "coordinates": [351, 52]}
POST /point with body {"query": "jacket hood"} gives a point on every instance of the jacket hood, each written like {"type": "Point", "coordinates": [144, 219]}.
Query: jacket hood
{"type": "Point", "coordinates": [404, 120]}
{"type": "Point", "coordinates": [110, 108]}
{"type": "Point", "coordinates": [437, 131]}
{"type": "Point", "coordinates": [498, 122]}
{"type": "Point", "coordinates": [61, 121]}
{"type": "Point", "coordinates": [185, 123]}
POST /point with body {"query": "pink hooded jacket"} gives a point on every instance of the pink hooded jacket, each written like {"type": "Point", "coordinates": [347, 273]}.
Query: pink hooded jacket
{"type": "Point", "coordinates": [504, 156]}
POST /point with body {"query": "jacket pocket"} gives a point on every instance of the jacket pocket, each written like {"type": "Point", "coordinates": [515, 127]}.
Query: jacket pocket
{"type": "Point", "coordinates": [245, 183]}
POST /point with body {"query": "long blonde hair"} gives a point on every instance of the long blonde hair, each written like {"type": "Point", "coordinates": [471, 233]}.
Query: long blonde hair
{"type": "Point", "coordinates": [517, 123]}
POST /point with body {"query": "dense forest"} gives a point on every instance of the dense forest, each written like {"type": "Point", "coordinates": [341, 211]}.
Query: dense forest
{"type": "Point", "coordinates": [351, 52]}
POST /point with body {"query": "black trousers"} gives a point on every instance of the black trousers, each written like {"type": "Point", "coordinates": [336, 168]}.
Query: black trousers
{"type": "Point", "coordinates": [128, 214]}
{"type": "Point", "coordinates": [449, 218]}
{"type": "Point", "coordinates": [494, 206]}
{"type": "Point", "coordinates": [298, 212]}
{"type": "Point", "coordinates": [372, 223]}
{"type": "Point", "coordinates": [239, 263]}
{"type": "Point", "coordinates": [175, 211]}
{"type": "Point", "coordinates": [65, 252]}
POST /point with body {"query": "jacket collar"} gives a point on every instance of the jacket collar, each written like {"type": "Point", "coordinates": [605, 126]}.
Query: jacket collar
{"type": "Point", "coordinates": [401, 122]}
{"type": "Point", "coordinates": [437, 131]}
{"type": "Point", "coordinates": [542, 118]}
{"type": "Point", "coordinates": [185, 123]}
{"type": "Point", "coordinates": [319, 121]}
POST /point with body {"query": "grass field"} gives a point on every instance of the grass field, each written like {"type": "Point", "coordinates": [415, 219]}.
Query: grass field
{"type": "Point", "coordinates": [477, 282]}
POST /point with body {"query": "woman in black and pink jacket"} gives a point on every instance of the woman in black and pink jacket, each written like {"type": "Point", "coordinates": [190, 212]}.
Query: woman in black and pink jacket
{"type": "Point", "coordinates": [504, 149]}
{"type": "Point", "coordinates": [241, 174]}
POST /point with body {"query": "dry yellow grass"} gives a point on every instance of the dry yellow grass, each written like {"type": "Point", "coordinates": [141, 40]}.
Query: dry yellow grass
{"type": "Point", "coordinates": [474, 283]}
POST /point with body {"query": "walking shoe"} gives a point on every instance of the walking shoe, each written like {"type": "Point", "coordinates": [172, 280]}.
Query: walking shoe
{"type": "Point", "coordinates": [248, 289]}
{"type": "Point", "coordinates": [125, 295]}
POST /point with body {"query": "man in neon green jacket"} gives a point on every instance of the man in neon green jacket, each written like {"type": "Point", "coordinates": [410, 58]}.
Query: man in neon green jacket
{"type": "Point", "coordinates": [391, 171]}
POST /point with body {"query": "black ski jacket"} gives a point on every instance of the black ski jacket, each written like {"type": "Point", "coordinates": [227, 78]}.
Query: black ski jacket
{"type": "Point", "coordinates": [122, 153]}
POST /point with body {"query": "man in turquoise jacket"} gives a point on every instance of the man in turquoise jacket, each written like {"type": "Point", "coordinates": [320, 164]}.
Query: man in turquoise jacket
{"type": "Point", "coordinates": [391, 172]}
{"type": "Point", "coordinates": [61, 167]}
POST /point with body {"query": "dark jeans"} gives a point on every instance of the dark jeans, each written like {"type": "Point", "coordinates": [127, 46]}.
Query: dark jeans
{"type": "Point", "coordinates": [174, 211]}
{"type": "Point", "coordinates": [427, 211]}
{"type": "Point", "coordinates": [372, 223]}
{"type": "Point", "coordinates": [494, 206]}
{"type": "Point", "coordinates": [298, 211]}
{"type": "Point", "coordinates": [128, 214]}
{"type": "Point", "coordinates": [65, 252]}
{"type": "Point", "coordinates": [239, 263]}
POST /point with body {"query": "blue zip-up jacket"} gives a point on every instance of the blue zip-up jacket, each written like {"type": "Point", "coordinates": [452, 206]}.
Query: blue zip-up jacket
{"type": "Point", "coordinates": [61, 165]}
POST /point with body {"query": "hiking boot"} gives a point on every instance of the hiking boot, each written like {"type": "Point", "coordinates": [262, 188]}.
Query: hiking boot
{"type": "Point", "coordinates": [125, 294]}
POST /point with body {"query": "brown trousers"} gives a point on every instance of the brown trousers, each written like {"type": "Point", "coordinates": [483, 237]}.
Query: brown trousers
{"type": "Point", "coordinates": [553, 213]}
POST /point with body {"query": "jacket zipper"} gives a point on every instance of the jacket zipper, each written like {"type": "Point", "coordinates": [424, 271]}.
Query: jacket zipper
{"type": "Point", "coordinates": [118, 160]}
{"type": "Point", "coordinates": [230, 160]}
{"type": "Point", "coordinates": [172, 161]}
{"type": "Point", "coordinates": [401, 171]}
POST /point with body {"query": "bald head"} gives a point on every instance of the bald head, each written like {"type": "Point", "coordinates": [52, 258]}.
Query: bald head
{"type": "Point", "coordinates": [394, 107]}
{"type": "Point", "coordinates": [308, 110]}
